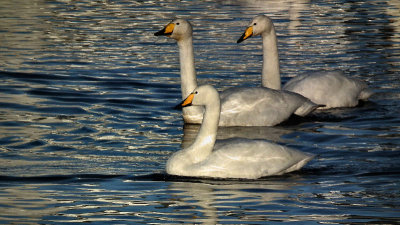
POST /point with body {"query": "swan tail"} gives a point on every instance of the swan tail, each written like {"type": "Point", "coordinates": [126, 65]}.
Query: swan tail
{"type": "Point", "coordinates": [365, 94]}
{"type": "Point", "coordinates": [307, 157]}
{"type": "Point", "coordinates": [306, 108]}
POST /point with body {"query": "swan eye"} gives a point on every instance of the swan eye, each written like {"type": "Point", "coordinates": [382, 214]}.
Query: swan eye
{"type": "Point", "coordinates": [177, 23]}
{"type": "Point", "coordinates": [254, 24]}
{"type": "Point", "coordinates": [196, 92]}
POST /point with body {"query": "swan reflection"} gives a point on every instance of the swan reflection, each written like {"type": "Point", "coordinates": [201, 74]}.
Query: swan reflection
{"type": "Point", "coordinates": [205, 200]}
{"type": "Point", "coordinates": [273, 134]}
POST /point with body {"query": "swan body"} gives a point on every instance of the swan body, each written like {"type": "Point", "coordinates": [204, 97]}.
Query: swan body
{"type": "Point", "coordinates": [255, 106]}
{"type": "Point", "coordinates": [241, 106]}
{"type": "Point", "coordinates": [230, 158]}
{"type": "Point", "coordinates": [331, 89]}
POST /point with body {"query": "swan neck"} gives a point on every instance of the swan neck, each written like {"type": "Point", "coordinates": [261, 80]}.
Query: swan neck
{"type": "Point", "coordinates": [205, 139]}
{"type": "Point", "coordinates": [271, 77]}
{"type": "Point", "coordinates": [188, 73]}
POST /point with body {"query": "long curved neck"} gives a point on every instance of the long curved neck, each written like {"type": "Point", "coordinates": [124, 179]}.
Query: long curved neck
{"type": "Point", "coordinates": [271, 77]}
{"type": "Point", "coordinates": [188, 73]}
{"type": "Point", "coordinates": [205, 139]}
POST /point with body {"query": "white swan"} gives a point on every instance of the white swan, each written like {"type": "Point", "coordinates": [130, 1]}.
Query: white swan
{"type": "Point", "coordinates": [230, 158]}
{"type": "Point", "coordinates": [256, 106]}
{"type": "Point", "coordinates": [331, 89]}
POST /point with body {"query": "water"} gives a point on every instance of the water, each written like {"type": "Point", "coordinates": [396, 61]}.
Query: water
{"type": "Point", "coordinates": [86, 118]}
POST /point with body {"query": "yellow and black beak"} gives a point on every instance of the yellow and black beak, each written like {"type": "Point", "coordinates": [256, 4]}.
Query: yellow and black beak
{"type": "Point", "coordinates": [187, 102]}
{"type": "Point", "coordinates": [247, 33]}
{"type": "Point", "coordinates": [166, 31]}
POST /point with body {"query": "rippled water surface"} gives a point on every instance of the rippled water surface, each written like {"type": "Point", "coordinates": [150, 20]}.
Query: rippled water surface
{"type": "Point", "coordinates": [87, 120]}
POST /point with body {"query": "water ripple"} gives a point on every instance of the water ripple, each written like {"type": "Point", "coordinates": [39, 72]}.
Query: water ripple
{"type": "Point", "coordinates": [86, 119]}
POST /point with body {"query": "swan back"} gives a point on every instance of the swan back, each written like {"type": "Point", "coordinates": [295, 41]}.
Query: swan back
{"type": "Point", "coordinates": [331, 88]}
{"type": "Point", "coordinates": [257, 105]}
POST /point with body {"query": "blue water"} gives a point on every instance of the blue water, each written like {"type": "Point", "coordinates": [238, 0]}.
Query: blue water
{"type": "Point", "coordinates": [87, 120]}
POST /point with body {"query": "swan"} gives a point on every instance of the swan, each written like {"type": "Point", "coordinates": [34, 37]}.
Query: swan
{"type": "Point", "coordinates": [229, 158]}
{"type": "Point", "coordinates": [329, 88]}
{"type": "Point", "coordinates": [240, 106]}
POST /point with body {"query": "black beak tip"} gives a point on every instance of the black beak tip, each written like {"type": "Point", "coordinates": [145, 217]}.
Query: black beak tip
{"type": "Point", "coordinates": [158, 33]}
{"type": "Point", "coordinates": [241, 38]}
{"type": "Point", "coordinates": [178, 107]}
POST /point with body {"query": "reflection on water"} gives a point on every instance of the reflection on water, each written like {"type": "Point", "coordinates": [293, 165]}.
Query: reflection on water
{"type": "Point", "coordinates": [86, 119]}
{"type": "Point", "coordinates": [91, 199]}
{"type": "Point", "coordinates": [269, 133]}
{"type": "Point", "coordinates": [204, 200]}
{"type": "Point", "coordinates": [206, 203]}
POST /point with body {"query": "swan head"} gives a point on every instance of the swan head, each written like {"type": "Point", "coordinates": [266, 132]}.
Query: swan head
{"type": "Point", "coordinates": [177, 29]}
{"type": "Point", "coordinates": [201, 96]}
{"type": "Point", "coordinates": [260, 25]}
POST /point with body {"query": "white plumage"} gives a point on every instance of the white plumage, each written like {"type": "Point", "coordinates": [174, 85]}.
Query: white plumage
{"type": "Point", "coordinates": [245, 106]}
{"type": "Point", "coordinates": [331, 89]}
{"type": "Point", "coordinates": [230, 158]}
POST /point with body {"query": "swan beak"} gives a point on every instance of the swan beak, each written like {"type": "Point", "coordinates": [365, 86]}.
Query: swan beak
{"type": "Point", "coordinates": [186, 102]}
{"type": "Point", "coordinates": [167, 30]}
{"type": "Point", "coordinates": [247, 33]}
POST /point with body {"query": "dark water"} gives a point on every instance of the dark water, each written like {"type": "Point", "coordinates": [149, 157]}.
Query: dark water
{"type": "Point", "coordinates": [86, 118]}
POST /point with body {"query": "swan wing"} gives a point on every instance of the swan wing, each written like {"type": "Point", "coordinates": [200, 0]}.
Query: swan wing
{"type": "Point", "coordinates": [251, 159]}
{"type": "Point", "coordinates": [331, 89]}
{"type": "Point", "coordinates": [258, 106]}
